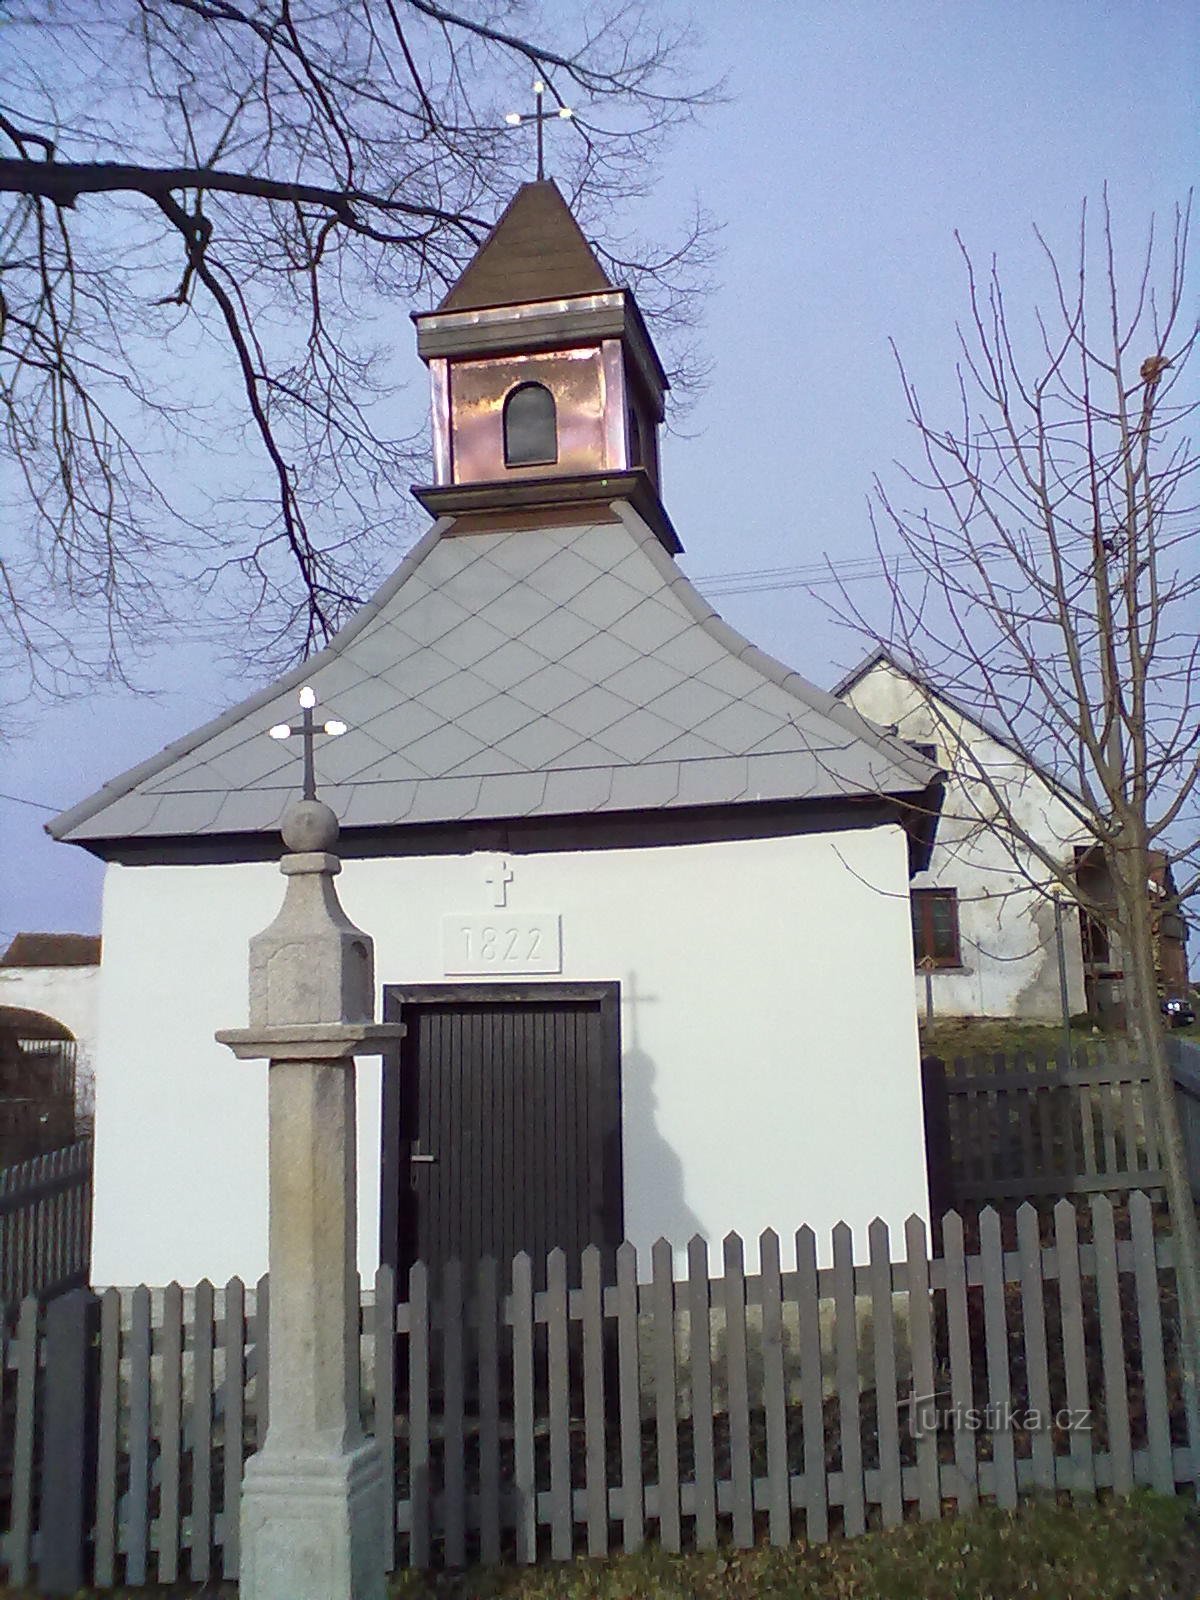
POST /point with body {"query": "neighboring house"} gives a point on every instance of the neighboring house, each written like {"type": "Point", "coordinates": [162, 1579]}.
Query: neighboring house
{"type": "Point", "coordinates": [49, 1002]}
{"type": "Point", "coordinates": [624, 872]}
{"type": "Point", "coordinates": [979, 921]}
{"type": "Point", "coordinates": [1102, 960]}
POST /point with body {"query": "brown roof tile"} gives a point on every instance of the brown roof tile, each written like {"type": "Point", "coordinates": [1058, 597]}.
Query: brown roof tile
{"type": "Point", "coordinates": [52, 950]}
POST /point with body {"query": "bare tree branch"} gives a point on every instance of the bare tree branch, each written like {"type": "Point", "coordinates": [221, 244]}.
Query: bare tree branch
{"type": "Point", "coordinates": [205, 198]}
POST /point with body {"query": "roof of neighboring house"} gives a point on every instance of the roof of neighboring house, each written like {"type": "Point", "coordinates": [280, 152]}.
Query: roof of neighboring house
{"type": "Point", "coordinates": [889, 656]}
{"type": "Point", "coordinates": [536, 251]}
{"type": "Point", "coordinates": [52, 950]}
{"type": "Point", "coordinates": [550, 671]}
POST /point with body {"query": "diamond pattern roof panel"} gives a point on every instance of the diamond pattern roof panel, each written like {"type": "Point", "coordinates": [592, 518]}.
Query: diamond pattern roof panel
{"type": "Point", "coordinates": [496, 717]}
{"type": "Point", "coordinates": [550, 687]}
{"type": "Point", "coordinates": [534, 672]}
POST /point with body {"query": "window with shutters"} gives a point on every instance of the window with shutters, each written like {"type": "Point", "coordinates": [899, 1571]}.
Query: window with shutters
{"type": "Point", "coordinates": [935, 927]}
{"type": "Point", "coordinates": [530, 427]}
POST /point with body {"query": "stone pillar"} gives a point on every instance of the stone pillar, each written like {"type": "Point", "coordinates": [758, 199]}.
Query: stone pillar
{"type": "Point", "coordinates": [313, 1500]}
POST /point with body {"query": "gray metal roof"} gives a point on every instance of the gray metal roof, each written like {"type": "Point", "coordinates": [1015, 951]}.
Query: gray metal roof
{"type": "Point", "coordinates": [552, 671]}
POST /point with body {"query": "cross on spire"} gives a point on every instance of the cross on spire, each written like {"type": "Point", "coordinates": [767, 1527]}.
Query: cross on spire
{"type": "Point", "coordinates": [308, 731]}
{"type": "Point", "coordinates": [540, 117]}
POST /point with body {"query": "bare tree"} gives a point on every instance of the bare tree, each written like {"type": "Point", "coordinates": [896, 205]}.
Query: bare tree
{"type": "Point", "coordinates": [1049, 580]}
{"type": "Point", "coordinates": [206, 197]}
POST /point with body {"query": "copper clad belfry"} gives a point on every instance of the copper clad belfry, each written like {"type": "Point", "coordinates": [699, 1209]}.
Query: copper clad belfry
{"type": "Point", "coordinates": [536, 308]}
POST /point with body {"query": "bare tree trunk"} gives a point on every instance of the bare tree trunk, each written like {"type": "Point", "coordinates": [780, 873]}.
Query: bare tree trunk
{"type": "Point", "coordinates": [1144, 1023]}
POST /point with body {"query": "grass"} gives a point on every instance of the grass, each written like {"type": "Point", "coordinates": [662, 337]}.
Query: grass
{"type": "Point", "coordinates": [1143, 1548]}
{"type": "Point", "coordinates": [968, 1036]}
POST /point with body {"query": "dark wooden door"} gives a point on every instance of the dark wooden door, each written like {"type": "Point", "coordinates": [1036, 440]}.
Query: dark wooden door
{"type": "Point", "coordinates": [501, 1124]}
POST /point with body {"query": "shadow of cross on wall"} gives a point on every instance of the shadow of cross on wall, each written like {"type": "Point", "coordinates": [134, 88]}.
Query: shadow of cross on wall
{"type": "Point", "coordinates": [653, 1171]}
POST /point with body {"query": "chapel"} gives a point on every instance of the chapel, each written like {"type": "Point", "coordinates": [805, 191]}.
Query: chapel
{"type": "Point", "coordinates": [639, 892]}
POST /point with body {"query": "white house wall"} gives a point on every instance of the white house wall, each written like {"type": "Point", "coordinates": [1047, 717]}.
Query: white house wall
{"type": "Point", "coordinates": [769, 1069]}
{"type": "Point", "coordinates": [1009, 951]}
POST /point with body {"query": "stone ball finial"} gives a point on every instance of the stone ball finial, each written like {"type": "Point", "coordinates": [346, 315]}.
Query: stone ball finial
{"type": "Point", "coordinates": [309, 825]}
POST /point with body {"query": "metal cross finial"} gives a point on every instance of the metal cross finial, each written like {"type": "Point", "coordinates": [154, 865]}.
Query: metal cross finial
{"type": "Point", "coordinates": [515, 119]}
{"type": "Point", "coordinates": [308, 731]}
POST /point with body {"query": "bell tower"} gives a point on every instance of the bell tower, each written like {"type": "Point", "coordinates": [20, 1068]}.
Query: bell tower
{"type": "Point", "coordinates": [547, 390]}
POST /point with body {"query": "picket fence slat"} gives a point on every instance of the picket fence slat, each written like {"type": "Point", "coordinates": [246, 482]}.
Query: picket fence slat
{"type": "Point", "coordinates": [854, 1511]}
{"type": "Point", "coordinates": [629, 1401]}
{"type": "Point", "coordinates": [24, 1435]}
{"type": "Point", "coordinates": [999, 1377]}
{"type": "Point", "coordinates": [1116, 1394]}
{"type": "Point", "coordinates": [169, 1434]}
{"type": "Point", "coordinates": [454, 1524]}
{"type": "Point", "coordinates": [1129, 1128]}
{"type": "Point", "coordinates": [559, 1395]}
{"type": "Point", "coordinates": [700, 1344]}
{"type": "Point", "coordinates": [488, 1332]}
{"type": "Point", "coordinates": [779, 1497]}
{"type": "Point", "coordinates": [106, 1439]}
{"type": "Point", "coordinates": [233, 1346]}
{"type": "Point", "coordinates": [887, 1412]}
{"type": "Point", "coordinates": [524, 1462]}
{"type": "Point", "coordinates": [1033, 1329]}
{"type": "Point", "coordinates": [1070, 1299]}
{"type": "Point", "coordinates": [1150, 1345]}
{"type": "Point", "coordinates": [966, 1476]}
{"type": "Point", "coordinates": [662, 1304]}
{"type": "Point", "coordinates": [200, 1563]}
{"type": "Point", "coordinates": [419, 1492]}
{"type": "Point", "coordinates": [262, 1352]}
{"type": "Point", "coordinates": [737, 1379]}
{"type": "Point", "coordinates": [1109, 1125]}
{"type": "Point", "coordinates": [812, 1396]}
{"type": "Point", "coordinates": [595, 1456]}
{"type": "Point", "coordinates": [137, 1518]}
{"type": "Point", "coordinates": [383, 1333]}
{"type": "Point", "coordinates": [920, 1322]}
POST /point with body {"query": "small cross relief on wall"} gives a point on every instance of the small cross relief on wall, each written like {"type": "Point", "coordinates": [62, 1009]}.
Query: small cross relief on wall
{"type": "Point", "coordinates": [501, 940]}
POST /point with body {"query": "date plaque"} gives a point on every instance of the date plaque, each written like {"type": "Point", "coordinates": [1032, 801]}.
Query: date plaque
{"type": "Point", "coordinates": [502, 942]}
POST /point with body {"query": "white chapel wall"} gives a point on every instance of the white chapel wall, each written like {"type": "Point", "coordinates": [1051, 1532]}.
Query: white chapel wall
{"type": "Point", "coordinates": [1009, 950]}
{"type": "Point", "coordinates": [753, 1096]}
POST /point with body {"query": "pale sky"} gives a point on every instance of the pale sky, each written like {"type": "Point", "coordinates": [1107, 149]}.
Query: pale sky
{"type": "Point", "coordinates": [858, 138]}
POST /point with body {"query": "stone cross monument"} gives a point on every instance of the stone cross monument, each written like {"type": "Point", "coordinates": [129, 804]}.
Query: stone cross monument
{"type": "Point", "coordinates": [313, 1499]}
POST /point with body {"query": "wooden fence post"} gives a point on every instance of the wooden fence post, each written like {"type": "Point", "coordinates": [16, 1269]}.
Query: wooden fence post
{"type": "Point", "coordinates": [936, 1113]}
{"type": "Point", "coordinates": [68, 1443]}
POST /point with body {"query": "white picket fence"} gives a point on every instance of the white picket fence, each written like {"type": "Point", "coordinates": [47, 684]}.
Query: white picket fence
{"type": "Point", "coordinates": [519, 1423]}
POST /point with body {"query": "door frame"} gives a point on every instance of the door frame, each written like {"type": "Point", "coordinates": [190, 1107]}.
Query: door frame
{"type": "Point", "coordinates": [396, 996]}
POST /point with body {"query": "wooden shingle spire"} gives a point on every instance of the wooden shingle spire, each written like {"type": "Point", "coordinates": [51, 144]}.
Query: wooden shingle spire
{"type": "Point", "coordinates": [536, 251]}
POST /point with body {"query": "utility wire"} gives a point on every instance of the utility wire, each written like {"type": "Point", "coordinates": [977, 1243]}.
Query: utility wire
{"type": "Point", "coordinates": [755, 580]}
{"type": "Point", "coordinates": [20, 800]}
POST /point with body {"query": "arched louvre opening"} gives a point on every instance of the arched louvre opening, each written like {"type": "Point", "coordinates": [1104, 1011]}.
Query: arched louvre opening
{"type": "Point", "coordinates": [530, 427]}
